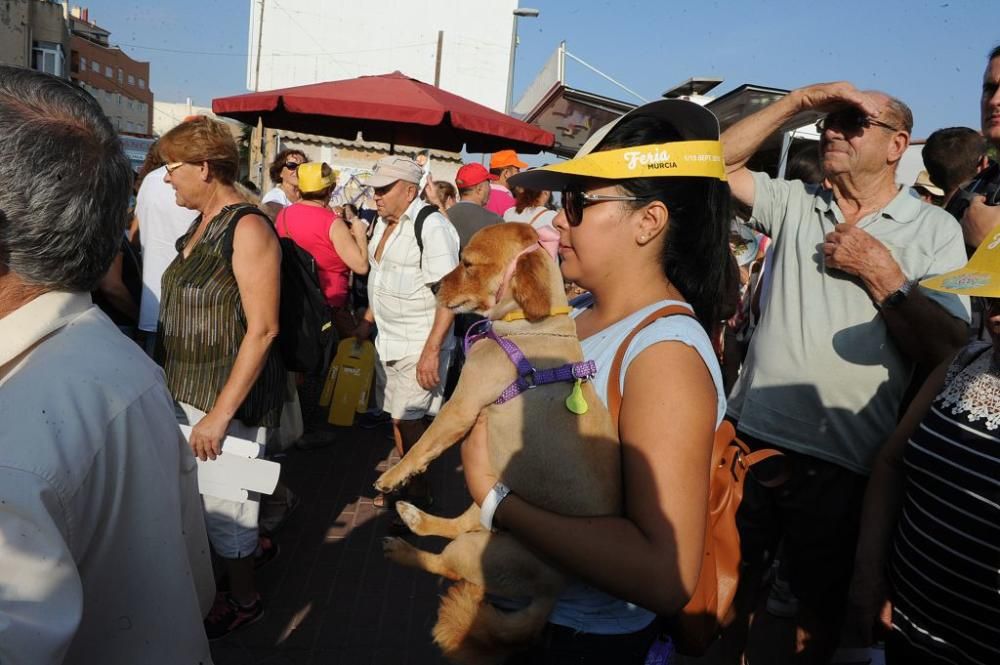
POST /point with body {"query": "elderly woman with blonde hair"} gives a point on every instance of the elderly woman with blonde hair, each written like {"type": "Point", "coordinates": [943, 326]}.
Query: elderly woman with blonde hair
{"type": "Point", "coordinates": [218, 323]}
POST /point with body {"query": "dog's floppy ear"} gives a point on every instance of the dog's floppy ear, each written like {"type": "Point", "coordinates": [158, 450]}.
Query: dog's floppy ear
{"type": "Point", "coordinates": [530, 286]}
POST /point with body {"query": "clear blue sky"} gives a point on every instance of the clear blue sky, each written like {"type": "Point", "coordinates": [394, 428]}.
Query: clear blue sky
{"type": "Point", "coordinates": [929, 54]}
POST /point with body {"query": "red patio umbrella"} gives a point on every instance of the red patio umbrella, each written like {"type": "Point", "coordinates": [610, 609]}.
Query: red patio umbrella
{"type": "Point", "coordinates": [391, 108]}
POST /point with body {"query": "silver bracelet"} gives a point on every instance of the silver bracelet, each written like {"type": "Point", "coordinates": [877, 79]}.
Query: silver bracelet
{"type": "Point", "coordinates": [492, 500]}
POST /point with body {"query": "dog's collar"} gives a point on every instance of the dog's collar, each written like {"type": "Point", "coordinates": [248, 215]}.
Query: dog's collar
{"type": "Point", "coordinates": [518, 315]}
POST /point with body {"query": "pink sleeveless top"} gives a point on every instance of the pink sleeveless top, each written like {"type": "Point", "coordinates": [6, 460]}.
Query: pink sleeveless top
{"type": "Point", "coordinates": [309, 227]}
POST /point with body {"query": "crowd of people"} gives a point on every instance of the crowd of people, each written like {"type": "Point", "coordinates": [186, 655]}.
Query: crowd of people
{"type": "Point", "coordinates": [830, 317]}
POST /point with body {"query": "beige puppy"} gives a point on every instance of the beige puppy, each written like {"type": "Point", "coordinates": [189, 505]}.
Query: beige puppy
{"type": "Point", "coordinates": [550, 456]}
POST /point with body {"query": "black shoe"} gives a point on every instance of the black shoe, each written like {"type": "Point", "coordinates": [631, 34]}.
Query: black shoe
{"type": "Point", "coordinates": [369, 420]}
{"type": "Point", "coordinates": [315, 440]}
{"type": "Point", "coordinates": [227, 615]}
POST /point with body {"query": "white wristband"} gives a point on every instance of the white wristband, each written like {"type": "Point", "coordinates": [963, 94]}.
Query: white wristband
{"type": "Point", "coordinates": [492, 500]}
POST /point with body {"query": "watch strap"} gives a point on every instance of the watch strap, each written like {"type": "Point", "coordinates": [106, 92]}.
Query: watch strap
{"type": "Point", "coordinates": [897, 297]}
{"type": "Point", "coordinates": [491, 501]}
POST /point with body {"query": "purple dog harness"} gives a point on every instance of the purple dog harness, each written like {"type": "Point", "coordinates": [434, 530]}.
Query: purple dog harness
{"type": "Point", "coordinates": [527, 376]}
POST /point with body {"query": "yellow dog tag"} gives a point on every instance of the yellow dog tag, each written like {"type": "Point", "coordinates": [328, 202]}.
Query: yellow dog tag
{"type": "Point", "coordinates": [575, 401]}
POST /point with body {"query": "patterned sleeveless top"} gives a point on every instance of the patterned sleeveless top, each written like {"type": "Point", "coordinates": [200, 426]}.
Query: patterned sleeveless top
{"type": "Point", "coordinates": [202, 324]}
{"type": "Point", "coordinates": [944, 566]}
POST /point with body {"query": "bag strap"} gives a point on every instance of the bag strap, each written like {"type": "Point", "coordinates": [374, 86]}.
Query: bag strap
{"type": "Point", "coordinates": [238, 214]}
{"type": "Point", "coordinates": [614, 378]}
{"type": "Point", "coordinates": [283, 218]}
{"type": "Point", "coordinates": [418, 228]}
{"type": "Point", "coordinates": [538, 214]}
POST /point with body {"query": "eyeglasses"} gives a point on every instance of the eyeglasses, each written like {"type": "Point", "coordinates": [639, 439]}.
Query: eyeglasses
{"type": "Point", "coordinates": [851, 121]}
{"type": "Point", "coordinates": [291, 166]}
{"type": "Point", "coordinates": [173, 166]}
{"type": "Point", "coordinates": [574, 201]}
{"type": "Point", "coordinates": [384, 189]}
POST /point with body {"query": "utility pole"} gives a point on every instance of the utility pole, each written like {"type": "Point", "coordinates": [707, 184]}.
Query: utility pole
{"type": "Point", "coordinates": [527, 13]}
{"type": "Point", "coordinates": [257, 137]}
{"type": "Point", "coordinates": [437, 61]}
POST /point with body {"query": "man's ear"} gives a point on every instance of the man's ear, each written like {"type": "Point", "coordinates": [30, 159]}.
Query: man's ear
{"type": "Point", "coordinates": [897, 146]}
{"type": "Point", "coordinates": [530, 285]}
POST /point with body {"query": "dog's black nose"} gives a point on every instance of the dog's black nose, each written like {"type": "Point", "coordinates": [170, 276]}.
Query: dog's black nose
{"type": "Point", "coordinates": [435, 287]}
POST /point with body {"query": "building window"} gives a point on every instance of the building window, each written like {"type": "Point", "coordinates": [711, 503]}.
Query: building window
{"type": "Point", "coordinates": [95, 66]}
{"type": "Point", "coordinates": [48, 57]}
{"type": "Point", "coordinates": [108, 71]}
{"type": "Point", "coordinates": [121, 75]}
{"type": "Point", "coordinates": [142, 84]}
{"type": "Point", "coordinates": [131, 80]}
{"type": "Point", "coordinates": [83, 64]}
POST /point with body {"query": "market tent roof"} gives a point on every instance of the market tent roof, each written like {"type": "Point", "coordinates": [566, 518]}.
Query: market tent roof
{"type": "Point", "coordinates": [391, 108]}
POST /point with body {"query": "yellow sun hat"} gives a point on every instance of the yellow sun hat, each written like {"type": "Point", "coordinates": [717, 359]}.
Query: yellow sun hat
{"type": "Point", "coordinates": [979, 277]}
{"type": "Point", "coordinates": [311, 178]}
{"type": "Point", "coordinates": [698, 153]}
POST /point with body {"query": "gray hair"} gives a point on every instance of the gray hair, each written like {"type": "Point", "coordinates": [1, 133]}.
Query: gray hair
{"type": "Point", "coordinates": [902, 113]}
{"type": "Point", "coordinates": [64, 182]}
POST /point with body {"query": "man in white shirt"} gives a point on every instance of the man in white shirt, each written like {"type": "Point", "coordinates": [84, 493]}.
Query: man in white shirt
{"type": "Point", "coordinates": [103, 552]}
{"type": "Point", "coordinates": [161, 223]}
{"type": "Point", "coordinates": [414, 340]}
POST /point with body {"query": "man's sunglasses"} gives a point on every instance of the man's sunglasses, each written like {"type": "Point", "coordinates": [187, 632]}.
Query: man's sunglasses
{"type": "Point", "coordinates": [575, 200]}
{"type": "Point", "coordinates": [851, 122]}
{"type": "Point", "coordinates": [291, 166]}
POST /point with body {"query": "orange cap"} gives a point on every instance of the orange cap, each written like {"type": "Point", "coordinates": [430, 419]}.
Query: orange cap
{"type": "Point", "coordinates": [506, 158]}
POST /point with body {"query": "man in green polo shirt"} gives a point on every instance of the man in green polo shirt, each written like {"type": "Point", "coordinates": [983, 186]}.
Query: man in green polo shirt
{"type": "Point", "coordinates": [843, 328]}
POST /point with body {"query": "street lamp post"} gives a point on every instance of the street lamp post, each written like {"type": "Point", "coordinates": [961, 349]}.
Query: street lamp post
{"type": "Point", "coordinates": [527, 12]}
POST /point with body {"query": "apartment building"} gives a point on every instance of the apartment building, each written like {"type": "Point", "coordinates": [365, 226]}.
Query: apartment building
{"type": "Point", "coordinates": [119, 83]}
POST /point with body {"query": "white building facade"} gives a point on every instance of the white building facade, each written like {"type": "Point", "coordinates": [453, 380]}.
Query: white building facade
{"type": "Point", "coordinates": [296, 42]}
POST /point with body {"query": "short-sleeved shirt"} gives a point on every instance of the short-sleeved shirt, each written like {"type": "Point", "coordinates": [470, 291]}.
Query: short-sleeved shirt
{"type": "Point", "coordinates": [276, 195]}
{"type": "Point", "coordinates": [103, 552]}
{"type": "Point", "coordinates": [398, 290]}
{"type": "Point", "coordinates": [161, 223]}
{"type": "Point", "coordinates": [823, 376]}
{"type": "Point", "coordinates": [500, 201]}
{"type": "Point", "coordinates": [468, 218]}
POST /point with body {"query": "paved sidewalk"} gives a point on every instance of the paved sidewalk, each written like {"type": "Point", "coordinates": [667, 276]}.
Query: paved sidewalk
{"type": "Point", "coordinates": [330, 596]}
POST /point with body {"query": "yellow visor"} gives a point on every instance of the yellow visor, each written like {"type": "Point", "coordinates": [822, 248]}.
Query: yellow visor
{"type": "Point", "coordinates": [979, 277]}
{"type": "Point", "coordinates": [699, 159]}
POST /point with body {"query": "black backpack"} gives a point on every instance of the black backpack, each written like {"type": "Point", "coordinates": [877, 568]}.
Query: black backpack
{"type": "Point", "coordinates": [305, 319]}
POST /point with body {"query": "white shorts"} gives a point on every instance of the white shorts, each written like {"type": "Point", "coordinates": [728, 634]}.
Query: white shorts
{"type": "Point", "coordinates": [402, 397]}
{"type": "Point", "coordinates": [231, 525]}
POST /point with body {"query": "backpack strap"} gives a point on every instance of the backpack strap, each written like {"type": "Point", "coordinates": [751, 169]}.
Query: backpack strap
{"type": "Point", "coordinates": [537, 215]}
{"type": "Point", "coordinates": [418, 228]}
{"type": "Point", "coordinates": [238, 214]}
{"type": "Point", "coordinates": [614, 378]}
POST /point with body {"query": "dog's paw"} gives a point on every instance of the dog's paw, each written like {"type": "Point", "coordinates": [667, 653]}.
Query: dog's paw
{"type": "Point", "coordinates": [397, 549]}
{"type": "Point", "coordinates": [390, 481]}
{"type": "Point", "coordinates": [410, 514]}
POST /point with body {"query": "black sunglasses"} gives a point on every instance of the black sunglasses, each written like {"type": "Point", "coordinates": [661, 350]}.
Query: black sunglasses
{"type": "Point", "coordinates": [292, 166]}
{"type": "Point", "coordinates": [575, 200]}
{"type": "Point", "coordinates": [850, 121]}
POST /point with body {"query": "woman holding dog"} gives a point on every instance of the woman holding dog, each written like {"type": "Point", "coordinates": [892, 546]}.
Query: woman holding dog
{"type": "Point", "coordinates": [645, 224]}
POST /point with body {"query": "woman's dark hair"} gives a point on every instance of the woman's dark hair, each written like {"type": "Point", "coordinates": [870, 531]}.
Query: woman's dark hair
{"type": "Point", "coordinates": [279, 162]}
{"type": "Point", "coordinates": [350, 206]}
{"type": "Point", "coordinates": [806, 166]}
{"type": "Point", "coordinates": [525, 198]}
{"type": "Point", "coordinates": [696, 254]}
